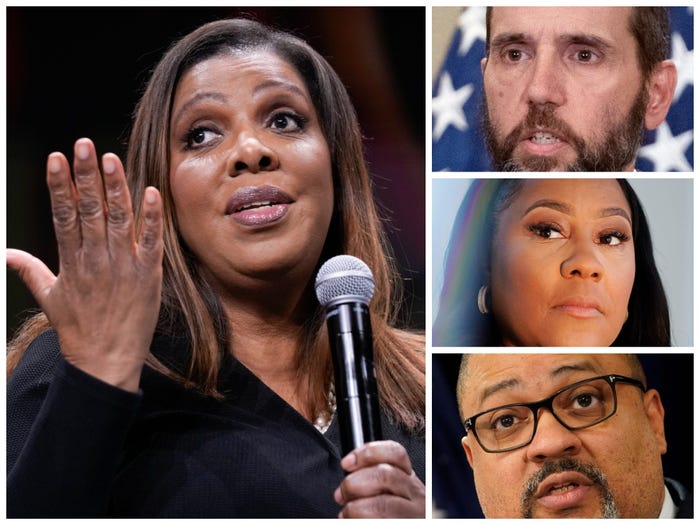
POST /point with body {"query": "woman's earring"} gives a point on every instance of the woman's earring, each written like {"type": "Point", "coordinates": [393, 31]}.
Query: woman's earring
{"type": "Point", "coordinates": [481, 299]}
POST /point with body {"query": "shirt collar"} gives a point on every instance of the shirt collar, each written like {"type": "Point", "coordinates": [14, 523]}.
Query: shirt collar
{"type": "Point", "coordinates": [668, 509]}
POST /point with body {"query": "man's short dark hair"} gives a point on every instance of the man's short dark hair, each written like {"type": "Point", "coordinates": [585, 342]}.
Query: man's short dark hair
{"type": "Point", "coordinates": [650, 27]}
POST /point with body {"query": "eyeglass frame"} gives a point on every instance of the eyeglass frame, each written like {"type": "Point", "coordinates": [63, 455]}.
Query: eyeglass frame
{"type": "Point", "coordinates": [547, 402]}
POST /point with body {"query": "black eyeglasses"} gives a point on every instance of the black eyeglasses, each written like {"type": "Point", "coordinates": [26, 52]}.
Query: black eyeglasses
{"type": "Point", "coordinates": [580, 405]}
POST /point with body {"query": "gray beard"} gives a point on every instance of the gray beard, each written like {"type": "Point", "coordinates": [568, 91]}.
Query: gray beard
{"type": "Point", "coordinates": [615, 152]}
{"type": "Point", "coordinates": [608, 509]}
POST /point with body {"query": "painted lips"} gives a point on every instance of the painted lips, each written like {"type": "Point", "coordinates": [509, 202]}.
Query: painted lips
{"type": "Point", "coordinates": [258, 205]}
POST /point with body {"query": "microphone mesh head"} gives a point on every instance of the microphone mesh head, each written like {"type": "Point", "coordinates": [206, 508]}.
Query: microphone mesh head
{"type": "Point", "coordinates": [343, 276]}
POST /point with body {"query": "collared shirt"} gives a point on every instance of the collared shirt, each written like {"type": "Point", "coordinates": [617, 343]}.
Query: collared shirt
{"type": "Point", "coordinates": [668, 509]}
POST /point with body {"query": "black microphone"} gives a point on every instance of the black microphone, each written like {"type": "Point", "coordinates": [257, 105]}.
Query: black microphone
{"type": "Point", "coordinates": [344, 287]}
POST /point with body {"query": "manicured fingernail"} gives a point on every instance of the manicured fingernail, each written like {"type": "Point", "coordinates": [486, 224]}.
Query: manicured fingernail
{"type": "Point", "coordinates": [54, 164]}
{"type": "Point", "coordinates": [150, 197]}
{"type": "Point", "coordinates": [349, 461]}
{"type": "Point", "coordinates": [108, 165]}
{"type": "Point", "coordinates": [82, 150]}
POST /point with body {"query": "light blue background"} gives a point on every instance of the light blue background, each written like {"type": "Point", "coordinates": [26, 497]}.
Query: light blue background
{"type": "Point", "coordinates": [668, 205]}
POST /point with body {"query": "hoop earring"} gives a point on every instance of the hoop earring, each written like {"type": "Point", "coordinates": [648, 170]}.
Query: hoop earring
{"type": "Point", "coordinates": [481, 299]}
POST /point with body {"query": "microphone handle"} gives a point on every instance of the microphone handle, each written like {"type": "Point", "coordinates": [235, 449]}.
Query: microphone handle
{"type": "Point", "coordinates": [350, 335]}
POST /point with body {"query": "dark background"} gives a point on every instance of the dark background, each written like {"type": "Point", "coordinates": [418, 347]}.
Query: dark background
{"type": "Point", "coordinates": [78, 72]}
{"type": "Point", "coordinates": [453, 485]}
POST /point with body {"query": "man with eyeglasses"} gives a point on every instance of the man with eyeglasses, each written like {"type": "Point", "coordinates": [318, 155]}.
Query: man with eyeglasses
{"type": "Point", "coordinates": [565, 436]}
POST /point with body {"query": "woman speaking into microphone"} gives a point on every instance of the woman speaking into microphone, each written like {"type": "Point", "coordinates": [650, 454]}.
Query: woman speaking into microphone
{"type": "Point", "coordinates": [180, 366]}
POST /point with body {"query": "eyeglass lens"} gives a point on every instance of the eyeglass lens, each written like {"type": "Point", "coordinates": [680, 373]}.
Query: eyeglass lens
{"type": "Point", "coordinates": [576, 407]}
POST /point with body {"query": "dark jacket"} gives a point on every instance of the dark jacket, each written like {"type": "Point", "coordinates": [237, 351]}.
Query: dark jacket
{"type": "Point", "coordinates": [682, 498]}
{"type": "Point", "coordinates": [78, 447]}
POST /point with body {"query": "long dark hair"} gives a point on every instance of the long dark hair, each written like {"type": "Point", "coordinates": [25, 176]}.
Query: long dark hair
{"type": "Point", "coordinates": [188, 300]}
{"type": "Point", "coordinates": [468, 261]}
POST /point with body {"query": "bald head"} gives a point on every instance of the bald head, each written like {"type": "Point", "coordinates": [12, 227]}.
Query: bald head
{"type": "Point", "coordinates": [634, 370]}
{"type": "Point", "coordinates": [610, 467]}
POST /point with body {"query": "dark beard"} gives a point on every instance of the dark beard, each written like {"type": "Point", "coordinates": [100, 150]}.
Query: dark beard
{"type": "Point", "coordinates": [527, 497]}
{"type": "Point", "coordinates": [615, 152]}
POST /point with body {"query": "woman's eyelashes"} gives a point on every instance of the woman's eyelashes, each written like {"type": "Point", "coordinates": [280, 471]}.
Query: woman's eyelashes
{"type": "Point", "coordinates": [613, 237]}
{"type": "Point", "coordinates": [287, 121]}
{"type": "Point", "coordinates": [199, 136]}
{"type": "Point", "coordinates": [546, 230]}
{"type": "Point", "coordinates": [280, 122]}
{"type": "Point", "coordinates": [550, 230]}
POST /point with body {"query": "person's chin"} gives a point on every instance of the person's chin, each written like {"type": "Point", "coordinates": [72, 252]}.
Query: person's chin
{"type": "Point", "coordinates": [592, 510]}
{"type": "Point", "coordinates": [578, 326]}
{"type": "Point", "coordinates": [589, 335]}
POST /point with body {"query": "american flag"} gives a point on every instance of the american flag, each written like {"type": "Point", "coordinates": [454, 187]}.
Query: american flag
{"type": "Point", "coordinates": [457, 95]}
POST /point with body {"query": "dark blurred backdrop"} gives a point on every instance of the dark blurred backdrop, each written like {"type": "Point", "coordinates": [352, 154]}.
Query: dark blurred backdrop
{"type": "Point", "coordinates": [78, 71]}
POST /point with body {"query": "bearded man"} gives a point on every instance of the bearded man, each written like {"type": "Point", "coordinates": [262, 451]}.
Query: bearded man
{"type": "Point", "coordinates": [574, 88]}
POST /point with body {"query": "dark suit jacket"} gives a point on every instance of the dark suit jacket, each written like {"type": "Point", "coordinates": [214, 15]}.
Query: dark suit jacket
{"type": "Point", "coordinates": [77, 447]}
{"type": "Point", "coordinates": [682, 498]}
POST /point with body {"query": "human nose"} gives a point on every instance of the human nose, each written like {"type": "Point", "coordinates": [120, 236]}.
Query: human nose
{"type": "Point", "coordinates": [552, 439]}
{"type": "Point", "coordinates": [251, 154]}
{"type": "Point", "coordinates": [546, 82]}
{"type": "Point", "coordinates": [582, 262]}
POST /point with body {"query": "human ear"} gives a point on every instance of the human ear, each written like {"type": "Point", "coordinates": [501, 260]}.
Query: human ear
{"type": "Point", "coordinates": [484, 61]}
{"type": "Point", "coordinates": [655, 415]}
{"type": "Point", "coordinates": [661, 87]}
{"type": "Point", "coordinates": [467, 451]}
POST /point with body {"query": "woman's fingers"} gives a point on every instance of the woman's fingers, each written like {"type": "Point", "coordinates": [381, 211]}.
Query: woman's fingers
{"type": "Point", "coordinates": [120, 216]}
{"type": "Point", "coordinates": [384, 506]}
{"type": "Point", "coordinates": [64, 210]}
{"type": "Point", "coordinates": [150, 246]}
{"type": "Point", "coordinates": [34, 273]}
{"type": "Point", "coordinates": [92, 211]}
{"type": "Point", "coordinates": [381, 491]}
{"type": "Point", "coordinates": [91, 203]}
{"type": "Point", "coordinates": [104, 303]}
{"type": "Point", "coordinates": [377, 479]}
{"type": "Point", "coordinates": [380, 483]}
{"type": "Point", "coordinates": [375, 453]}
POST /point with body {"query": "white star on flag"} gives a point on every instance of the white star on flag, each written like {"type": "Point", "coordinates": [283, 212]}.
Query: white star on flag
{"type": "Point", "coordinates": [684, 64]}
{"type": "Point", "coordinates": [668, 152]}
{"type": "Point", "coordinates": [472, 23]}
{"type": "Point", "coordinates": [448, 106]}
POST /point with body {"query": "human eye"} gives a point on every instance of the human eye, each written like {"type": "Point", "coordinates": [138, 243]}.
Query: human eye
{"type": "Point", "coordinates": [514, 54]}
{"type": "Point", "coordinates": [585, 55]}
{"type": "Point", "coordinates": [586, 400]}
{"type": "Point", "coordinates": [506, 420]}
{"type": "Point", "coordinates": [287, 122]}
{"type": "Point", "coordinates": [546, 230]}
{"type": "Point", "coordinates": [199, 136]}
{"type": "Point", "coordinates": [613, 238]}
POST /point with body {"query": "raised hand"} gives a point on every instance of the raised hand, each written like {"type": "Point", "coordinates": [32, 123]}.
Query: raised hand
{"type": "Point", "coordinates": [380, 483]}
{"type": "Point", "coordinates": [104, 302]}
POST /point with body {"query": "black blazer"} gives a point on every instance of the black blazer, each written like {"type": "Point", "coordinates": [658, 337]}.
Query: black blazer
{"type": "Point", "coordinates": [77, 447]}
{"type": "Point", "coordinates": [682, 498]}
